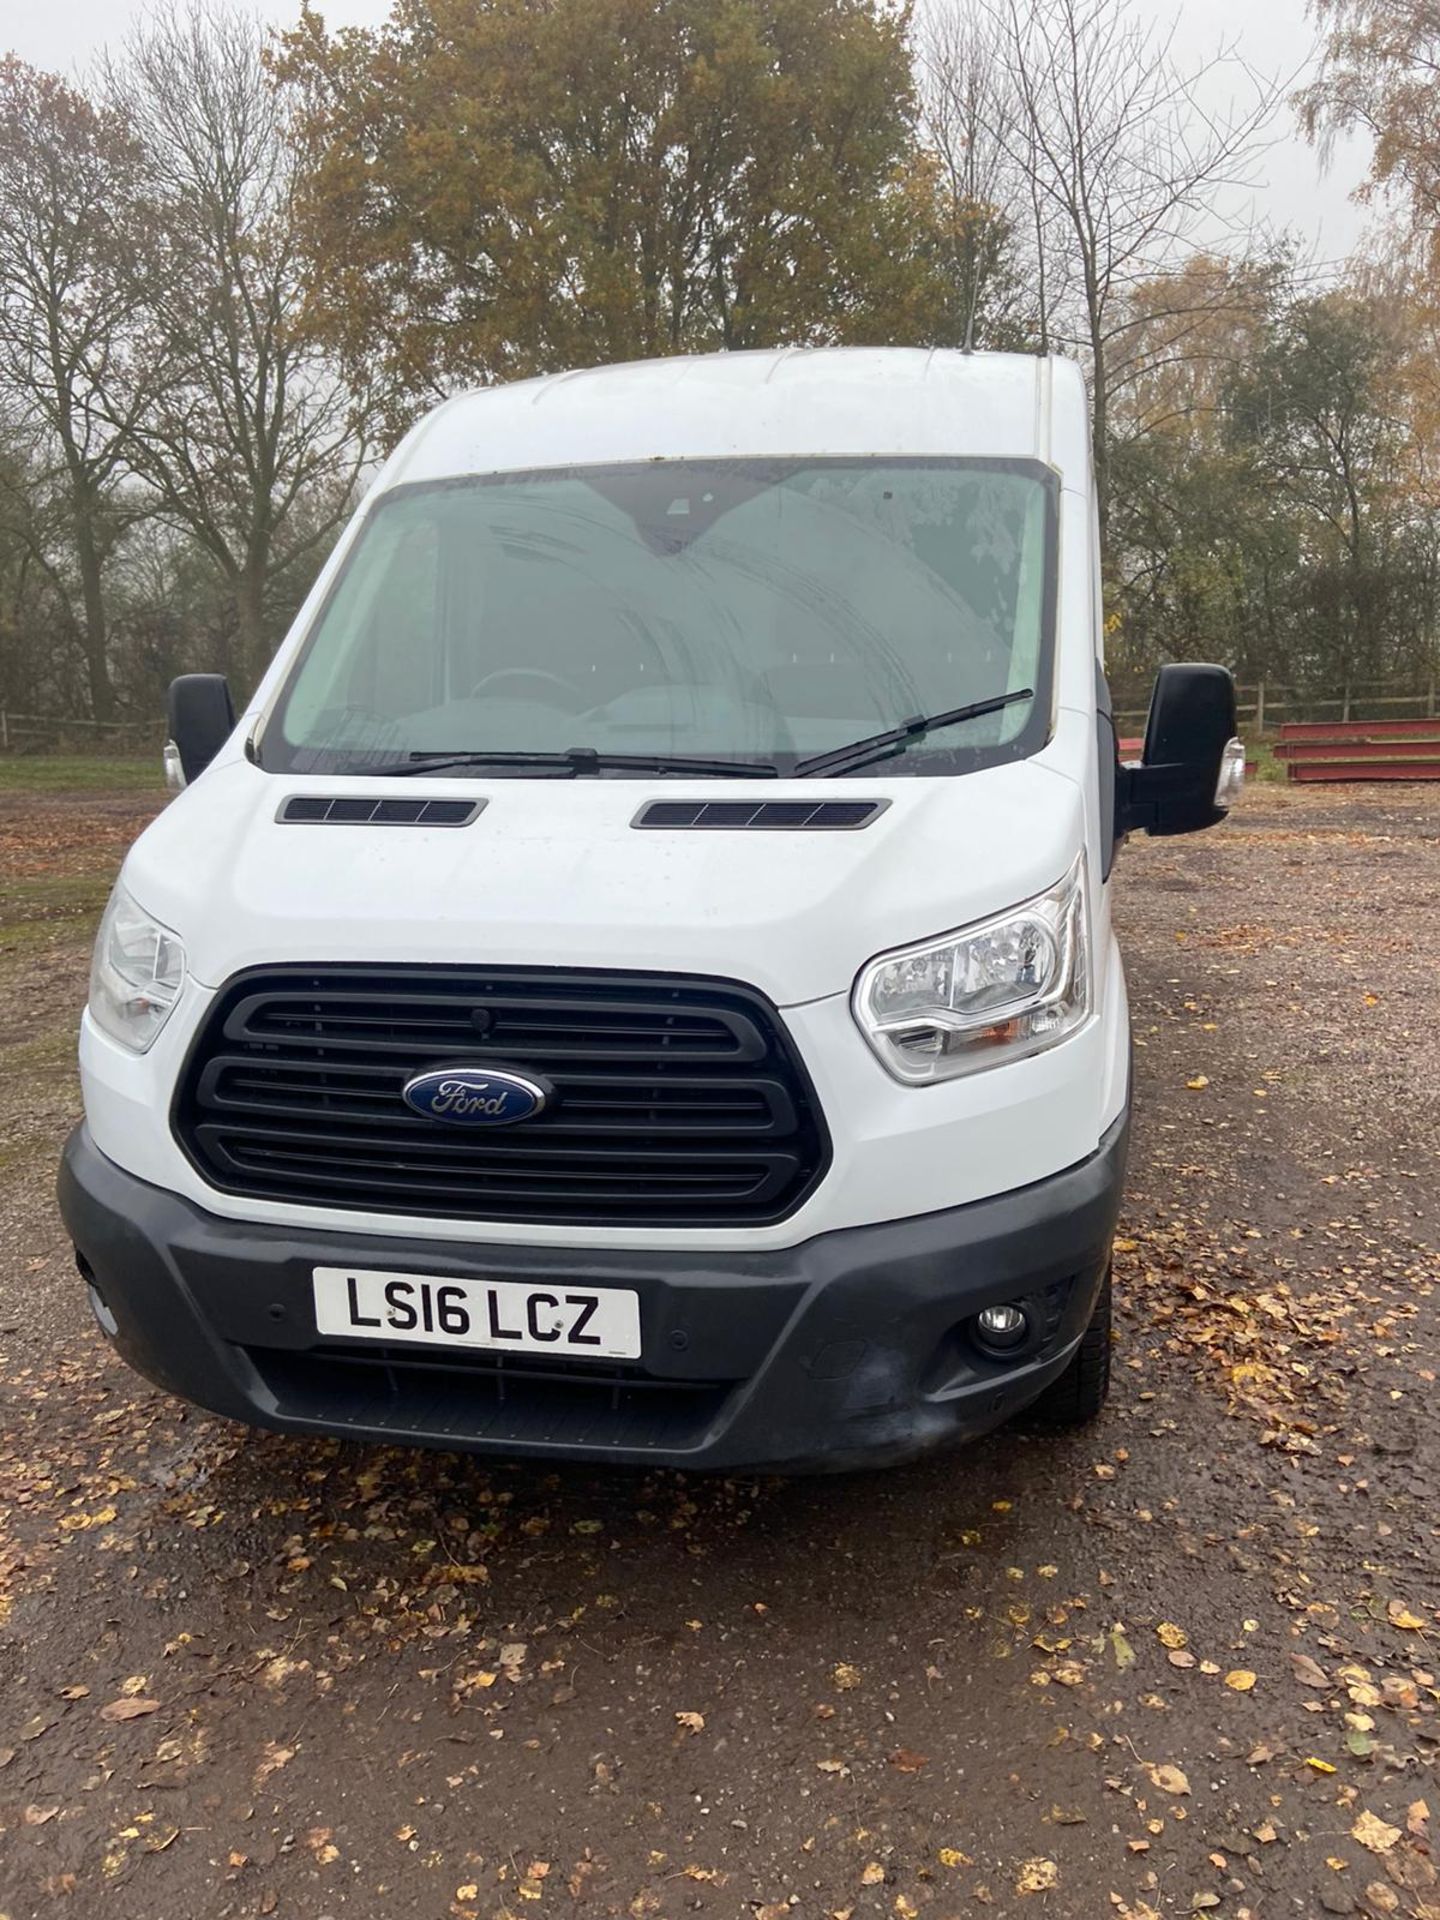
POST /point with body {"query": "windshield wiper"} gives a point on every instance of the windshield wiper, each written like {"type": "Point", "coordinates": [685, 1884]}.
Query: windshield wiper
{"type": "Point", "coordinates": [573, 763]}
{"type": "Point", "coordinates": [883, 746]}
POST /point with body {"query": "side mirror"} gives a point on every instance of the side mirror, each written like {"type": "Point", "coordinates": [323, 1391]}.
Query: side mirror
{"type": "Point", "coordinates": [1193, 764]}
{"type": "Point", "coordinates": [202, 718]}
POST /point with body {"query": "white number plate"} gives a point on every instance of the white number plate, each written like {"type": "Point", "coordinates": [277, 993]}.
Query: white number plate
{"type": "Point", "coordinates": [504, 1315]}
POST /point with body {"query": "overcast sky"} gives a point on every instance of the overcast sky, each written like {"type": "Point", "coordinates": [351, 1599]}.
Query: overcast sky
{"type": "Point", "coordinates": [1294, 191]}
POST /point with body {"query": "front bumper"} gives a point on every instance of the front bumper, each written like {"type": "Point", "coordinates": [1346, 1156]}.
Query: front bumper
{"type": "Point", "coordinates": [847, 1350]}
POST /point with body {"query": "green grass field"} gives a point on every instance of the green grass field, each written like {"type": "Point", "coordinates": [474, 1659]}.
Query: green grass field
{"type": "Point", "coordinates": [79, 773]}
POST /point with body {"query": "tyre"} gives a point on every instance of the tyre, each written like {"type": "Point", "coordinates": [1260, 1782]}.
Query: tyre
{"type": "Point", "coordinates": [1082, 1389]}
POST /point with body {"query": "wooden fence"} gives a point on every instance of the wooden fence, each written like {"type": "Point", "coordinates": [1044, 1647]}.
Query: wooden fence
{"type": "Point", "coordinates": [50, 733]}
{"type": "Point", "coordinates": [1265, 705]}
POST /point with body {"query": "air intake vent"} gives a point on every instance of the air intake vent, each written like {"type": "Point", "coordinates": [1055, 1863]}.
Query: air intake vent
{"type": "Point", "coordinates": [337, 810]}
{"type": "Point", "coordinates": [677, 1101]}
{"type": "Point", "coordinates": [795, 816]}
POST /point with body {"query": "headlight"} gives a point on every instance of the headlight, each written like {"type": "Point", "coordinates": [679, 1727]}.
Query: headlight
{"type": "Point", "coordinates": [136, 974]}
{"type": "Point", "coordinates": [994, 992]}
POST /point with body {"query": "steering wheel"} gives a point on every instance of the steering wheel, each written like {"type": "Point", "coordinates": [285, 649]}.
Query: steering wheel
{"type": "Point", "coordinates": [575, 701]}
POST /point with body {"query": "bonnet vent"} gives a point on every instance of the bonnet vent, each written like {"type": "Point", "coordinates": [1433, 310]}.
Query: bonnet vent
{"type": "Point", "coordinates": [360, 810]}
{"type": "Point", "coordinates": [769, 815]}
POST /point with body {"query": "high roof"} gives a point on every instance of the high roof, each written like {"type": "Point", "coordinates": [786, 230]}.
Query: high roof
{"type": "Point", "coordinates": [795, 401]}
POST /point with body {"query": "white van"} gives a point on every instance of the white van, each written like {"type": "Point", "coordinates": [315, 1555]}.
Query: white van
{"type": "Point", "coordinates": [637, 982]}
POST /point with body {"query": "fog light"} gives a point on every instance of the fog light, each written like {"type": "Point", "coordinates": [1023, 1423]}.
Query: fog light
{"type": "Point", "coordinates": [1001, 1327]}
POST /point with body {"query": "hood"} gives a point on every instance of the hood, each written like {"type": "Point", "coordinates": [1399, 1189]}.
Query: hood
{"type": "Point", "coordinates": [553, 872]}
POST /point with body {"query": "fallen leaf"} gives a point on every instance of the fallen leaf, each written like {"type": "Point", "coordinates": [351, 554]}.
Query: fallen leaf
{"type": "Point", "coordinates": [953, 1857]}
{"type": "Point", "coordinates": [1372, 1832]}
{"type": "Point", "coordinates": [132, 1709]}
{"type": "Point", "coordinates": [1198, 1083]}
{"type": "Point", "coordinates": [906, 1909]}
{"type": "Point", "coordinates": [691, 1722]}
{"type": "Point", "coordinates": [274, 1759]}
{"type": "Point", "coordinates": [1240, 1680]}
{"type": "Point", "coordinates": [872, 1874]}
{"type": "Point", "coordinates": [1124, 1652]}
{"type": "Point", "coordinates": [1399, 1615]}
{"type": "Point", "coordinates": [37, 1816]}
{"type": "Point", "coordinates": [846, 1677]}
{"type": "Point", "coordinates": [1168, 1779]}
{"type": "Point", "coordinates": [1309, 1672]}
{"type": "Point", "coordinates": [904, 1761]}
{"type": "Point", "coordinates": [1169, 1635]}
{"type": "Point", "coordinates": [1320, 1766]}
{"type": "Point", "coordinates": [1037, 1876]}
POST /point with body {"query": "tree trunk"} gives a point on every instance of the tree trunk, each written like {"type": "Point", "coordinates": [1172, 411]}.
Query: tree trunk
{"type": "Point", "coordinates": [252, 640]}
{"type": "Point", "coordinates": [94, 634]}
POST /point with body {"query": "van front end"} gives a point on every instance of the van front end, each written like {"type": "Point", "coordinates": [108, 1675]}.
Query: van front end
{"type": "Point", "coordinates": [728, 1235]}
{"type": "Point", "coordinates": [637, 983]}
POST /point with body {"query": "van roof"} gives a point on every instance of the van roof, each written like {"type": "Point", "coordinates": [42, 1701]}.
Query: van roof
{"type": "Point", "coordinates": [797, 401]}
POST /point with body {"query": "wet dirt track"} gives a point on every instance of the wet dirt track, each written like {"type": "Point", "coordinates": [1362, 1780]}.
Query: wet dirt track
{"type": "Point", "coordinates": [1184, 1662]}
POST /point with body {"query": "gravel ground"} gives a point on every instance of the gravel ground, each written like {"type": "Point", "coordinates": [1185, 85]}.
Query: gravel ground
{"type": "Point", "coordinates": [1184, 1662]}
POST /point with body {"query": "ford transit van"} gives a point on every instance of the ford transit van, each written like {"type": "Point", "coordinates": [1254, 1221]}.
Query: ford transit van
{"type": "Point", "coordinates": [637, 980]}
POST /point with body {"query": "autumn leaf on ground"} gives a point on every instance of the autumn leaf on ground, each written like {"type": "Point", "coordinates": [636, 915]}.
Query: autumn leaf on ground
{"type": "Point", "coordinates": [904, 1761]}
{"type": "Point", "coordinates": [1309, 1672]}
{"type": "Point", "coordinates": [1399, 1615]}
{"type": "Point", "coordinates": [1169, 1635]}
{"type": "Point", "coordinates": [132, 1709]}
{"type": "Point", "coordinates": [274, 1759]}
{"type": "Point", "coordinates": [1037, 1876]}
{"type": "Point", "coordinates": [691, 1722]}
{"type": "Point", "coordinates": [1240, 1680]}
{"type": "Point", "coordinates": [846, 1677]}
{"type": "Point", "coordinates": [1168, 1779]}
{"type": "Point", "coordinates": [1198, 1083]}
{"type": "Point", "coordinates": [1372, 1832]}
{"type": "Point", "coordinates": [321, 1846]}
{"type": "Point", "coordinates": [872, 1874]}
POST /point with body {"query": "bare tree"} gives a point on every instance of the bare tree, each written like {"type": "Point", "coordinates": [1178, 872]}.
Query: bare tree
{"type": "Point", "coordinates": [1107, 151]}
{"type": "Point", "coordinates": [997, 270]}
{"type": "Point", "coordinates": [72, 385]}
{"type": "Point", "coordinates": [255, 446]}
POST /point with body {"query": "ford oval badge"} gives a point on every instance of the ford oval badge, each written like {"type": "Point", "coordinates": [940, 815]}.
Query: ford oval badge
{"type": "Point", "coordinates": [475, 1096]}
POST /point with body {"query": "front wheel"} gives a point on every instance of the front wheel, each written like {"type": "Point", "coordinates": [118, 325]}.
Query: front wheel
{"type": "Point", "coordinates": [1082, 1389]}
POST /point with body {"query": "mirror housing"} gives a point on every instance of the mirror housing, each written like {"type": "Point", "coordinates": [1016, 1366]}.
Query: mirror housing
{"type": "Point", "coordinates": [202, 718]}
{"type": "Point", "coordinates": [1189, 774]}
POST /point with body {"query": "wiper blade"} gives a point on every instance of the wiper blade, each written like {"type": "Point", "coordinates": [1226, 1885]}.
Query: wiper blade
{"type": "Point", "coordinates": [573, 763]}
{"type": "Point", "coordinates": [883, 746]}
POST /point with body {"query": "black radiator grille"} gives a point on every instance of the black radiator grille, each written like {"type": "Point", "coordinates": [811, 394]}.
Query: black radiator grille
{"type": "Point", "coordinates": [677, 1101]}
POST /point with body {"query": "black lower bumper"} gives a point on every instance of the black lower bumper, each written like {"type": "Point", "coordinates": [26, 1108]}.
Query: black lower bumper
{"type": "Point", "coordinates": [851, 1349]}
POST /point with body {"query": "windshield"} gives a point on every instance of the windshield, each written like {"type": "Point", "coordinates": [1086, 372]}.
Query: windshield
{"type": "Point", "coordinates": [733, 609]}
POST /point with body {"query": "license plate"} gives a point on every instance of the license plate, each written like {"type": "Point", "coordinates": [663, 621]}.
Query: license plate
{"type": "Point", "coordinates": [502, 1315]}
